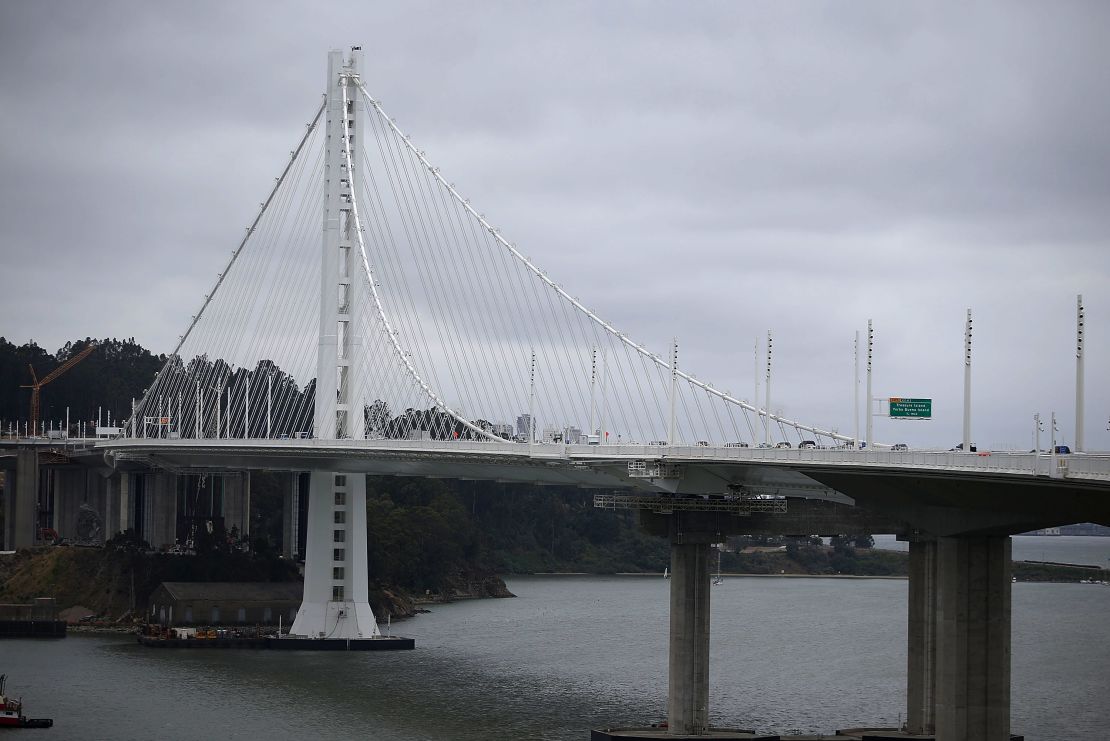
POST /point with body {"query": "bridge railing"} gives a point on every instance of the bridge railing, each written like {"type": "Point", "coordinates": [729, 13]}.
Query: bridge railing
{"type": "Point", "coordinates": [1093, 465]}
{"type": "Point", "coordinates": [1075, 465]}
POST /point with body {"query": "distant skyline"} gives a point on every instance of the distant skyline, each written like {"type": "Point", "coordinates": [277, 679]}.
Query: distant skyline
{"type": "Point", "coordinates": [703, 171]}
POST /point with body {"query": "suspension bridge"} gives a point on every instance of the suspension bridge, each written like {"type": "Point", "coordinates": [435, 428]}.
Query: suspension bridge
{"type": "Point", "coordinates": [404, 334]}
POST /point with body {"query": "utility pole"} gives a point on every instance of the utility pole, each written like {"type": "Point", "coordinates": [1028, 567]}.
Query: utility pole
{"type": "Point", "coordinates": [593, 384]}
{"type": "Point", "coordinates": [870, 400]}
{"type": "Point", "coordinates": [532, 401]}
{"type": "Point", "coordinates": [269, 393]}
{"type": "Point", "coordinates": [767, 395]}
{"type": "Point", "coordinates": [1038, 427]}
{"type": "Point", "coordinates": [674, 386]}
{"type": "Point", "coordinates": [247, 409]}
{"type": "Point", "coordinates": [1079, 373]}
{"type": "Point", "coordinates": [967, 387]}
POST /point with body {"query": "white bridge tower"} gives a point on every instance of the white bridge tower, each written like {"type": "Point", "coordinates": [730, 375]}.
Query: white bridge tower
{"type": "Point", "coordinates": [335, 602]}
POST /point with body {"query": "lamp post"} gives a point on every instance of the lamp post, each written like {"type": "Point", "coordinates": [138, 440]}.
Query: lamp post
{"type": "Point", "coordinates": [219, 389]}
{"type": "Point", "coordinates": [269, 392]}
{"type": "Point", "coordinates": [1079, 317]}
{"type": "Point", "coordinates": [870, 401]}
{"type": "Point", "coordinates": [767, 396]}
{"type": "Point", "coordinates": [967, 387]}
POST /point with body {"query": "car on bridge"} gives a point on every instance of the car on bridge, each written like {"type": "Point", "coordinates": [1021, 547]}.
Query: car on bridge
{"type": "Point", "coordinates": [807, 444]}
{"type": "Point", "coordinates": [898, 447]}
{"type": "Point", "coordinates": [783, 444]}
{"type": "Point", "coordinates": [960, 446]}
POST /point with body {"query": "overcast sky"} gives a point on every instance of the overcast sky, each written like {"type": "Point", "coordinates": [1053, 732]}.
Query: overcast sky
{"type": "Point", "coordinates": [701, 170]}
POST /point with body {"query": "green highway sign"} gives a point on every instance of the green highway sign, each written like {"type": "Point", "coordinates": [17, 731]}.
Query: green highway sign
{"type": "Point", "coordinates": [910, 408]}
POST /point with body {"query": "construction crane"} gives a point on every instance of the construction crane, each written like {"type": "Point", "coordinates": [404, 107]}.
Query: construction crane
{"type": "Point", "coordinates": [37, 383]}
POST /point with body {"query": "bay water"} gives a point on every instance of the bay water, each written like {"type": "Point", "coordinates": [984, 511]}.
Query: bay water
{"type": "Point", "coordinates": [789, 654]}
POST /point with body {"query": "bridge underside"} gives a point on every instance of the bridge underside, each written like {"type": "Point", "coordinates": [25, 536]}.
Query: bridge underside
{"type": "Point", "coordinates": [938, 502]}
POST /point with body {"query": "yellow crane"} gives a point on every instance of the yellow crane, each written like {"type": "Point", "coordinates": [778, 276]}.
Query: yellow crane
{"type": "Point", "coordinates": [37, 383]}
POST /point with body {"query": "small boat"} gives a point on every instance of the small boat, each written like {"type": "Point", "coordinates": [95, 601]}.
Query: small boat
{"type": "Point", "coordinates": [666, 572]}
{"type": "Point", "coordinates": [11, 712]}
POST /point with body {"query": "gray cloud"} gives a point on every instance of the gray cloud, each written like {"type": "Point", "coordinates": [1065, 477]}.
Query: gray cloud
{"type": "Point", "coordinates": [705, 171]}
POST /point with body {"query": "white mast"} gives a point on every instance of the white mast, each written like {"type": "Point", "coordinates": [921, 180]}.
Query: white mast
{"type": "Point", "coordinates": [1079, 373]}
{"type": "Point", "coordinates": [870, 401]}
{"type": "Point", "coordinates": [767, 395]}
{"type": "Point", "coordinates": [967, 385]}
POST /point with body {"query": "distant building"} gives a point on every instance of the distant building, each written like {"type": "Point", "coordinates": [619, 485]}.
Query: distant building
{"type": "Point", "coordinates": [504, 430]}
{"type": "Point", "coordinates": [225, 603]}
{"type": "Point", "coordinates": [525, 427]}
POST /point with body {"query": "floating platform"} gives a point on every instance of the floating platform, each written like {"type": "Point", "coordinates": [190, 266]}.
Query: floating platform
{"type": "Point", "coordinates": [660, 733]}
{"type": "Point", "coordinates": [32, 628]}
{"type": "Point", "coordinates": [393, 643]}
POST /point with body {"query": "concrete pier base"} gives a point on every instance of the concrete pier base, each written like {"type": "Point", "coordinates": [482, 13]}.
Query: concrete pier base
{"type": "Point", "coordinates": [336, 591]}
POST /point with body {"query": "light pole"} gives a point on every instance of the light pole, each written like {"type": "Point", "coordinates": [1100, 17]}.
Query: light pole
{"type": "Point", "coordinates": [1079, 373]}
{"type": "Point", "coordinates": [247, 409]}
{"type": "Point", "coordinates": [532, 401]}
{"type": "Point", "coordinates": [219, 389]}
{"type": "Point", "coordinates": [269, 392]}
{"type": "Point", "coordinates": [1038, 428]}
{"type": "Point", "coordinates": [767, 396]}
{"type": "Point", "coordinates": [674, 386]}
{"type": "Point", "coordinates": [870, 401]}
{"type": "Point", "coordinates": [967, 387]}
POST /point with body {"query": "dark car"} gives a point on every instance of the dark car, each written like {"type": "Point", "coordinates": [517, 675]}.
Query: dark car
{"type": "Point", "coordinates": [1063, 450]}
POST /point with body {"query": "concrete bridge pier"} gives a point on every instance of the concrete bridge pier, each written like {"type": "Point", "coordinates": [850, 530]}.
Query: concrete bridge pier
{"type": "Point", "coordinates": [291, 544]}
{"type": "Point", "coordinates": [688, 655]}
{"type": "Point", "coordinates": [21, 494]}
{"type": "Point", "coordinates": [158, 508]}
{"type": "Point", "coordinates": [921, 637]}
{"type": "Point", "coordinates": [973, 638]}
{"type": "Point", "coordinates": [958, 657]}
{"type": "Point", "coordinates": [237, 503]}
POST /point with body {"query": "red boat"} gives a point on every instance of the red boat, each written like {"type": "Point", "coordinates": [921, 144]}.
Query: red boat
{"type": "Point", "coordinates": [11, 712]}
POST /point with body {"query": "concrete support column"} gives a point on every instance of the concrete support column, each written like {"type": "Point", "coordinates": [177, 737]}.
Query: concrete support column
{"type": "Point", "coordinates": [688, 684]}
{"type": "Point", "coordinates": [290, 516]}
{"type": "Point", "coordinates": [126, 501]}
{"type": "Point", "coordinates": [973, 638]}
{"type": "Point", "coordinates": [22, 496]}
{"type": "Point", "coordinates": [161, 508]}
{"type": "Point", "coordinates": [335, 603]}
{"type": "Point", "coordinates": [237, 503]}
{"type": "Point", "coordinates": [921, 638]}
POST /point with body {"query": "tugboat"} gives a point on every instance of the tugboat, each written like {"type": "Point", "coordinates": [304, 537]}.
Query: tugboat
{"type": "Point", "coordinates": [11, 712]}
